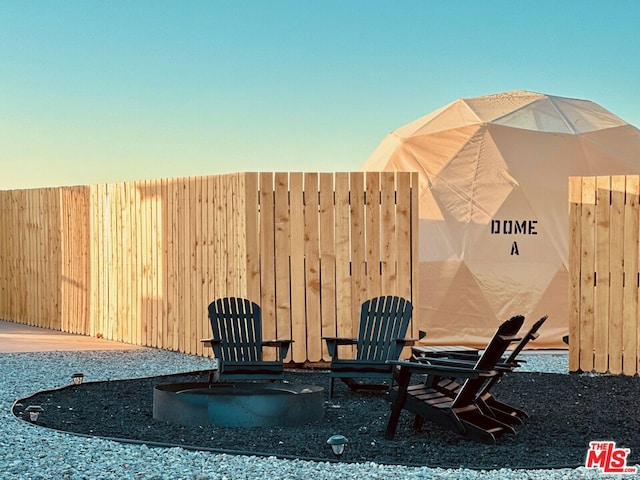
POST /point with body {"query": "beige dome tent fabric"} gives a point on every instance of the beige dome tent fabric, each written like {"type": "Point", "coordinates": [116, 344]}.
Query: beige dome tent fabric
{"type": "Point", "coordinates": [494, 206]}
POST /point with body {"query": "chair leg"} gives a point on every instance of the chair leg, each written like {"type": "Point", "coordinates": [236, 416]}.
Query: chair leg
{"type": "Point", "coordinates": [398, 404]}
{"type": "Point", "coordinates": [331, 382]}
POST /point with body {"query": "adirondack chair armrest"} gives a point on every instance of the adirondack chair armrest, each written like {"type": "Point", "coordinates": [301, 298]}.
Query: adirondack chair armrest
{"type": "Point", "coordinates": [503, 367]}
{"type": "Point", "coordinates": [464, 356]}
{"type": "Point", "coordinates": [333, 342]}
{"type": "Point", "coordinates": [442, 370]}
{"type": "Point", "coordinates": [447, 362]}
{"type": "Point", "coordinates": [406, 342]}
{"type": "Point", "coordinates": [513, 338]}
{"type": "Point", "coordinates": [210, 342]}
{"type": "Point", "coordinates": [281, 345]}
{"type": "Point", "coordinates": [400, 343]}
{"type": "Point", "coordinates": [509, 365]}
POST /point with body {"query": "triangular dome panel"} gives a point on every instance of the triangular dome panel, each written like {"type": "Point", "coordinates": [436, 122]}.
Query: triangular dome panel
{"type": "Point", "coordinates": [585, 116]}
{"type": "Point", "coordinates": [490, 107]}
{"type": "Point", "coordinates": [451, 290]}
{"type": "Point", "coordinates": [440, 148]}
{"type": "Point", "coordinates": [454, 115]}
{"type": "Point", "coordinates": [539, 116]}
{"type": "Point", "coordinates": [474, 183]}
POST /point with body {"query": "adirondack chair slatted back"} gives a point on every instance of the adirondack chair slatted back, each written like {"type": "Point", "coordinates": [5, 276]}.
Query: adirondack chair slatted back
{"type": "Point", "coordinates": [382, 320]}
{"type": "Point", "coordinates": [237, 323]}
{"type": "Point", "coordinates": [490, 357]}
{"type": "Point", "coordinates": [532, 334]}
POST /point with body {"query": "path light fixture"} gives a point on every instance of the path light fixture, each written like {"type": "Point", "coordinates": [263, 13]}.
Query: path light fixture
{"type": "Point", "coordinates": [77, 378]}
{"type": "Point", "coordinates": [34, 412]}
{"type": "Point", "coordinates": [338, 444]}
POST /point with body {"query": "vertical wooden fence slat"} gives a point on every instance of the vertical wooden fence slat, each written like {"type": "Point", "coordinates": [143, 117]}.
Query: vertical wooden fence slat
{"type": "Point", "coordinates": [67, 245]}
{"type": "Point", "coordinates": [145, 263]}
{"type": "Point", "coordinates": [31, 265]}
{"type": "Point", "coordinates": [603, 273]}
{"type": "Point", "coordinates": [173, 264]}
{"type": "Point", "coordinates": [240, 220]}
{"type": "Point", "coordinates": [229, 238]}
{"type": "Point", "coordinates": [358, 275]}
{"type": "Point", "coordinates": [36, 251]}
{"type": "Point", "coordinates": [282, 251]}
{"type": "Point", "coordinates": [202, 270]}
{"type": "Point", "coordinates": [344, 302]}
{"type": "Point", "coordinates": [403, 222]}
{"type": "Point", "coordinates": [53, 251]}
{"type": "Point", "coordinates": [253, 246]}
{"type": "Point", "coordinates": [630, 294]}
{"type": "Point", "coordinates": [221, 232]}
{"type": "Point", "coordinates": [117, 289]}
{"type": "Point", "coordinates": [327, 259]}
{"type": "Point", "coordinates": [388, 244]}
{"type": "Point", "coordinates": [190, 278]}
{"type": "Point", "coordinates": [111, 264]}
{"type": "Point", "coordinates": [372, 236]}
{"type": "Point", "coordinates": [298, 290]}
{"type": "Point", "coordinates": [128, 281]}
{"type": "Point", "coordinates": [150, 254]}
{"type": "Point", "coordinates": [413, 239]}
{"type": "Point", "coordinates": [159, 263]}
{"type": "Point", "coordinates": [267, 265]}
{"type": "Point", "coordinates": [209, 228]}
{"type": "Point", "coordinates": [188, 266]}
{"type": "Point", "coordinates": [312, 266]}
{"type": "Point", "coordinates": [84, 266]}
{"type": "Point", "coordinates": [616, 256]}
{"type": "Point", "coordinates": [134, 205]}
{"type": "Point", "coordinates": [98, 274]}
{"type": "Point", "coordinates": [575, 254]}
{"type": "Point", "coordinates": [588, 273]}
{"type": "Point", "coordinates": [165, 266]}
{"type": "Point", "coordinates": [181, 263]}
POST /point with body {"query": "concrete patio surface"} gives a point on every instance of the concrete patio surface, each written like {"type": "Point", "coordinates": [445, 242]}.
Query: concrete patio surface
{"type": "Point", "coordinates": [18, 338]}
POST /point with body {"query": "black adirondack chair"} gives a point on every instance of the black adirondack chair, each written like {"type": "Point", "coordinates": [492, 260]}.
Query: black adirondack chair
{"type": "Point", "coordinates": [501, 410]}
{"type": "Point", "coordinates": [237, 342]}
{"type": "Point", "coordinates": [381, 337]}
{"type": "Point", "coordinates": [464, 412]}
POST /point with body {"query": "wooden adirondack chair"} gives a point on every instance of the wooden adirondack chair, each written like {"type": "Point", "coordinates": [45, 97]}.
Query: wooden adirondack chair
{"type": "Point", "coordinates": [464, 412]}
{"type": "Point", "coordinates": [502, 411]}
{"type": "Point", "coordinates": [237, 342]}
{"type": "Point", "coordinates": [381, 337]}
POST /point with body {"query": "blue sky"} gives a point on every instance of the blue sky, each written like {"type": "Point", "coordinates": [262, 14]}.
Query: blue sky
{"type": "Point", "coordinates": [94, 92]}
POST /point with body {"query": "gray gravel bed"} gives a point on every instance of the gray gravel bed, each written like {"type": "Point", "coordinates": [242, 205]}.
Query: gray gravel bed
{"type": "Point", "coordinates": [32, 452]}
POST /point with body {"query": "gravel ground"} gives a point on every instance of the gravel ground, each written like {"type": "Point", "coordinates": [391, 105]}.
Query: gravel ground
{"type": "Point", "coordinates": [33, 452]}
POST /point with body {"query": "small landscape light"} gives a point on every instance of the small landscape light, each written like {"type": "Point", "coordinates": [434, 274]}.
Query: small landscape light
{"type": "Point", "coordinates": [338, 443]}
{"type": "Point", "coordinates": [34, 412]}
{"type": "Point", "coordinates": [77, 378]}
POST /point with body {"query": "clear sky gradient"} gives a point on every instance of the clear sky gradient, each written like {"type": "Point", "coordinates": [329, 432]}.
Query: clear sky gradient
{"type": "Point", "coordinates": [94, 92]}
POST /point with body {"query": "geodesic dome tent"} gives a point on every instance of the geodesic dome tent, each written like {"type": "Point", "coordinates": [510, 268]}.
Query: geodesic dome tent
{"type": "Point", "coordinates": [494, 206]}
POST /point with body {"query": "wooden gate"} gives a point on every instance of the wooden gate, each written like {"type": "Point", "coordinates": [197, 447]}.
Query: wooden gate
{"type": "Point", "coordinates": [604, 278]}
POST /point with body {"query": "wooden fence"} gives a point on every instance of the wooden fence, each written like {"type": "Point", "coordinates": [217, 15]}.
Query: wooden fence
{"type": "Point", "coordinates": [604, 278]}
{"type": "Point", "coordinates": [139, 262]}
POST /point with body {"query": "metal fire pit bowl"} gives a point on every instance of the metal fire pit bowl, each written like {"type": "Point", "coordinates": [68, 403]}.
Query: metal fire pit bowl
{"type": "Point", "coordinates": [238, 404]}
